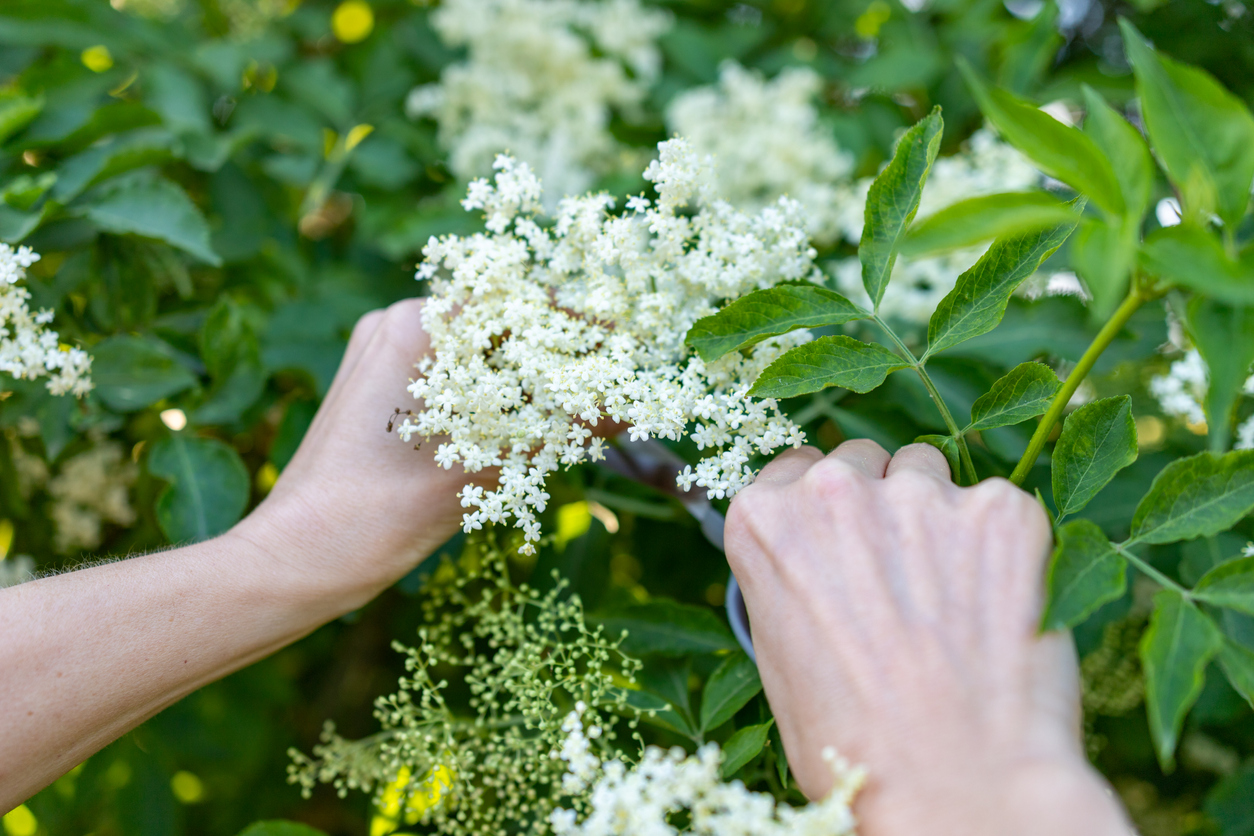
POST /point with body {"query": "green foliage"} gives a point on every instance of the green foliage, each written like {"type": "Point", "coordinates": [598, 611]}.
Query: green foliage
{"type": "Point", "coordinates": [1198, 496]}
{"type": "Point", "coordinates": [1228, 585]}
{"type": "Point", "coordinates": [729, 688]}
{"type": "Point", "coordinates": [208, 488]}
{"type": "Point", "coordinates": [1022, 393]}
{"type": "Point", "coordinates": [978, 219]}
{"type": "Point", "coordinates": [828, 361]}
{"type": "Point", "coordinates": [769, 313]}
{"type": "Point", "coordinates": [1084, 573]}
{"type": "Point", "coordinates": [669, 628]}
{"type": "Point", "coordinates": [742, 747]}
{"type": "Point", "coordinates": [1098, 440]}
{"type": "Point", "coordinates": [1224, 336]}
{"type": "Point", "coordinates": [279, 828]}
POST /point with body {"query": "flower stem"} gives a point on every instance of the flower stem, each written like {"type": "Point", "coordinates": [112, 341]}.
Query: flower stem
{"type": "Point", "coordinates": [964, 454]}
{"type": "Point", "coordinates": [1100, 343]}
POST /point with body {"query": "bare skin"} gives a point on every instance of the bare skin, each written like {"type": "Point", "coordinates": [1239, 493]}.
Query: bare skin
{"type": "Point", "coordinates": [894, 618]}
{"type": "Point", "coordinates": [910, 647]}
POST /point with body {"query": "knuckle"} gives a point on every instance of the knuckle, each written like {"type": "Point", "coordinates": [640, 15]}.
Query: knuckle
{"type": "Point", "coordinates": [865, 446]}
{"type": "Point", "coordinates": [833, 481]}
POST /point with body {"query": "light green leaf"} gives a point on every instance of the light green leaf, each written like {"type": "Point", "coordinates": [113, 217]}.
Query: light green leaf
{"type": "Point", "coordinates": [131, 373]}
{"type": "Point", "coordinates": [728, 690]}
{"type": "Point", "coordinates": [669, 628]}
{"type": "Point", "coordinates": [1059, 150]}
{"type": "Point", "coordinates": [208, 488]}
{"type": "Point", "coordinates": [1125, 148]}
{"type": "Point", "coordinates": [1224, 335]}
{"type": "Point", "coordinates": [978, 300]}
{"type": "Point", "coordinates": [769, 313]}
{"type": "Point", "coordinates": [1194, 258]}
{"type": "Point", "coordinates": [154, 209]}
{"type": "Point", "coordinates": [948, 448]}
{"type": "Point", "coordinates": [1084, 573]}
{"type": "Point", "coordinates": [1098, 440]}
{"type": "Point", "coordinates": [1238, 665]}
{"type": "Point", "coordinates": [827, 361]}
{"type": "Point", "coordinates": [1198, 496]}
{"type": "Point", "coordinates": [111, 157]}
{"type": "Point", "coordinates": [1199, 129]}
{"type": "Point", "coordinates": [16, 112]}
{"type": "Point", "coordinates": [1103, 254]}
{"type": "Point", "coordinates": [978, 219]}
{"type": "Point", "coordinates": [1230, 585]}
{"type": "Point", "coordinates": [893, 200]}
{"type": "Point", "coordinates": [742, 747]}
{"type": "Point", "coordinates": [1175, 650]}
{"type": "Point", "coordinates": [1022, 393]}
{"type": "Point", "coordinates": [279, 828]}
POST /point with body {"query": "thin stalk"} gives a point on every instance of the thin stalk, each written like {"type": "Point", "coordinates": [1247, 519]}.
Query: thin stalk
{"type": "Point", "coordinates": [964, 454]}
{"type": "Point", "coordinates": [1152, 573]}
{"type": "Point", "coordinates": [1100, 343]}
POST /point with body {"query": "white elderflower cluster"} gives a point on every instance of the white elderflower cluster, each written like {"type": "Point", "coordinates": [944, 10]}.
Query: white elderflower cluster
{"type": "Point", "coordinates": [986, 166]}
{"type": "Point", "coordinates": [540, 81]}
{"type": "Point", "coordinates": [643, 800]}
{"type": "Point", "coordinates": [28, 350]}
{"type": "Point", "coordinates": [767, 141]}
{"type": "Point", "coordinates": [91, 489]}
{"type": "Point", "coordinates": [541, 333]}
{"type": "Point", "coordinates": [1181, 392]}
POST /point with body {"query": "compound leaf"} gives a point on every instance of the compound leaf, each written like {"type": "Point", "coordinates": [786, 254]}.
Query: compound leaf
{"type": "Point", "coordinates": [1198, 496]}
{"type": "Point", "coordinates": [1084, 573]}
{"type": "Point", "coordinates": [828, 361]}
{"type": "Point", "coordinates": [1022, 393]}
{"type": "Point", "coordinates": [1098, 440]}
{"type": "Point", "coordinates": [769, 313]}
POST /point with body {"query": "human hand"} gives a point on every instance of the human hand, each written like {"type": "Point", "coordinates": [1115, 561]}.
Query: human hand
{"type": "Point", "coordinates": [895, 618]}
{"type": "Point", "coordinates": [362, 507]}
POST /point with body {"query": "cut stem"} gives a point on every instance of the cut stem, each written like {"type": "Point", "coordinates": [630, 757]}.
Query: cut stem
{"type": "Point", "coordinates": [1100, 343]}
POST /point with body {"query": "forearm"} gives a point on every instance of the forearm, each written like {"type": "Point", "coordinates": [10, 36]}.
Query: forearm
{"type": "Point", "coordinates": [91, 654]}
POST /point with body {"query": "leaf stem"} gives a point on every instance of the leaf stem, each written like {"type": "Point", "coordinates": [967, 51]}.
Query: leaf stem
{"type": "Point", "coordinates": [1100, 343]}
{"type": "Point", "coordinates": [1150, 572]}
{"type": "Point", "coordinates": [964, 454]}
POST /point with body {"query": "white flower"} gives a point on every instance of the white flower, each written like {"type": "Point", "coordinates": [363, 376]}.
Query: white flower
{"type": "Point", "coordinates": [1182, 390]}
{"type": "Point", "coordinates": [91, 489]}
{"type": "Point", "coordinates": [28, 350]}
{"type": "Point", "coordinates": [542, 332]}
{"type": "Point", "coordinates": [540, 80]}
{"type": "Point", "coordinates": [767, 142]}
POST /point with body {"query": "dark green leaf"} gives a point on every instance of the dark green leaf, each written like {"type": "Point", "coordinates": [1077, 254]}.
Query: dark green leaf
{"type": "Point", "coordinates": [1198, 496]}
{"type": "Point", "coordinates": [669, 628]}
{"type": "Point", "coordinates": [728, 690]}
{"type": "Point", "coordinates": [1229, 585]}
{"type": "Point", "coordinates": [1224, 335]}
{"type": "Point", "coordinates": [1125, 148]}
{"type": "Point", "coordinates": [111, 157]}
{"type": "Point", "coordinates": [279, 828]}
{"type": "Point", "coordinates": [768, 313]}
{"type": "Point", "coordinates": [781, 757]}
{"type": "Point", "coordinates": [1194, 258]}
{"type": "Point", "coordinates": [948, 448]}
{"type": "Point", "coordinates": [1084, 573]}
{"type": "Point", "coordinates": [178, 97]}
{"type": "Point", "coordinates": [131, 373]}
{"type": "Point", "coordinates": [893, 200]}
{"type": "Point", "coordinates": [979, 299]}
{"type": "Point", "coordinates": [978, 219]}
{"type": "Point", "coordinates": [828, 361]}
{"type": "Point", "coordinates": [208, 488]}
{"type": "Point", "coordinates": [1199, 129]}
{"type": "Point", "coordinates": [1098, 440]}
{"type": "Point", "coordinates": [1059, 150]}
{"type": "Point", "coordinates": [1022, 393]}
{"type": "Point", "coordinates": [1238, 664]}
{"type": "Point", "coordinates": [742, 747]}
{"type": "Point", "coordinates": [1175, 650]}
{"type": "Point", "coordinates": [1230, 805]}
{"type": "Point", "coordinates": [657, 711]}
{"type": "Point", "coordinates": [154, 209]}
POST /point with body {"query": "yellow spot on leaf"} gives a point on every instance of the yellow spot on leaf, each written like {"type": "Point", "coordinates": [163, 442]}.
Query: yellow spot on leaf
{"type": "Point", "coordinates": [573, 520]}
{"type": "Point", "coordinates": [20, 821]}
{"type": "Point", "coordinates": [352, 21]}
{"type": "Point", "coordinates": [97, 58]}
{"type": "Point", "coordinates": [356, 135]}
{"type": "Point", "coordinates": [187, 788]}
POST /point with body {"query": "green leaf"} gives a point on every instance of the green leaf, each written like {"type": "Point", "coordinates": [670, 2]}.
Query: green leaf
{"type": "Point", "coordinates": [1230, 585]}
{"type": "Point", "coordinates": [1175, 650]}
{"type": "Point", "coordinates": [669, 628]}
{"type": "Point", "coordinates": [1022, 393]}
{"type": "Point", "coordinates": [131, 373]}
{"type": "Point", "coordinates": [16, 112]}
{"type": "Point", "coordinates": [893, 200]}
{"type": "Point", "coordinates": [1198, 496]}
{"type": "Point", "coordinates": [1194, 258]}
{"type": "Point", "coordinates": [279, 828]}
{"type": "Point", "coordinates": [1103, 254]}
{"type": "Point", "coordinates": [1098, 440]}
{"type": "Point", "coordinates": [1224, 335]}
{"type": "Point", "coordinates": [111, 157]}
{"type": "Point", "coordinates": [769, 313]}
{"type": "Point", "coordinates": [978, 219]}
{"type": "Point", "coordinates": [742, 747]}
{"type": "Point", "coordinates": [948, 447]}
{"type": "Point", "coordinates": [728, 690]}
{"type": "Point", "coordinates": [154, 209]}
{"type": "Point", "coordinates": [1125, 148]}
{"type": "Point", "coordinates": [1199, 130]}
{"type": "Point", "coordinates": [1059, 150]}
{"type": "Point", "coordinates": [1238, 665]}
{"type": "Point", "coordinates": [781, 757]}
{"type": "Point", "coordinates": [657, 711]}
{"type": "Point", "coordinates": [1084, 573]}
{"type": "Point", "coordinates": [208, 488]}
{"type": "Point", "coordinates": [978, 300]}
{"type": "Point", "coordinates": [827, 361]}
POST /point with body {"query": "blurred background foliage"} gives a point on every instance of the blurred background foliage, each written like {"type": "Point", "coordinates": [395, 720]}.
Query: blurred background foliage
{"type": "Point", "coordinates": [219, 188]}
